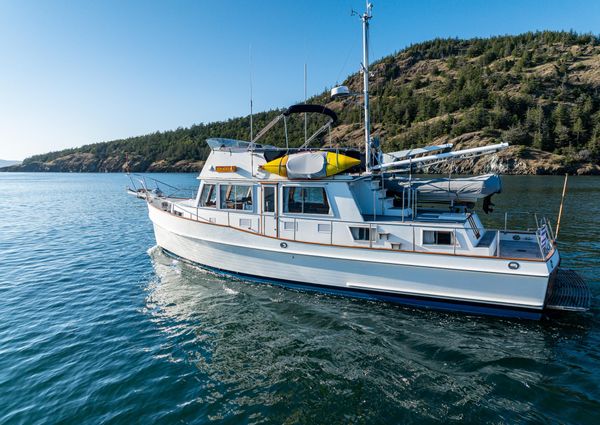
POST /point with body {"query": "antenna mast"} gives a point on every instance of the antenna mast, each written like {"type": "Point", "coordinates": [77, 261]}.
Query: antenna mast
{"type": "Point", "coordinates": [251, 114]}
{"type": "Point", "coordinates": [305, 116]}
{"type": "Point", "coordinates": [365, 17]}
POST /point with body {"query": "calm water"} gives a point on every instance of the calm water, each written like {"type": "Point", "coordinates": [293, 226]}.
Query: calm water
{"type": "Point", "coordinates": [98, 327]}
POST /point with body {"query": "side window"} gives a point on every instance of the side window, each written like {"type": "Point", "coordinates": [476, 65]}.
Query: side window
{"type": "Point", "coordinates": [268, 199]}
{"type": "Point", "coordinates": [306, 200]}
{"type": "Point", "coordinates": [435, 237]}
{"type": "Point", "coordinates": [360, 233]}
{"type": "Point", "coordinates": [234, 197]}
{"type": "Point", "coordinates": [208, 197]}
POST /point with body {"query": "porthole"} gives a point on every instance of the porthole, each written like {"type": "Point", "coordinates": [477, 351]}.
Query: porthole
{"type": "Point", "coordinates": [513, 265]}
{"type": "Point", "coordinates": [283, 245]}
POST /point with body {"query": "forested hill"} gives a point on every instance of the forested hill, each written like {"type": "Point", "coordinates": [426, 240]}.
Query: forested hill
{"type": "Point", "coordinates": [538, 91]}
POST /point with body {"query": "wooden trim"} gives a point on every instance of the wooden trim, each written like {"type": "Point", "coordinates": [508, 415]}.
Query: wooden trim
{"type": "Point", "coordinates": [531, 260]}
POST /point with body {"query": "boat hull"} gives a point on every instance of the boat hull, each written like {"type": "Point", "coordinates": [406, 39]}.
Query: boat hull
{"type": "Point", "coordinates": [412, 301]}
{"type": "Point", "coordinates": [436, 281]}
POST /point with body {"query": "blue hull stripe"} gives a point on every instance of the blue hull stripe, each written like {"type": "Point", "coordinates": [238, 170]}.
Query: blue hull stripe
{"type": "Point", "coordinates": [413, 301]}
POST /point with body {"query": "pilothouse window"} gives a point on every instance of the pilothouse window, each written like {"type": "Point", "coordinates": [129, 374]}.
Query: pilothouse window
{"type": "Point", "coordinates": [306, 200]}
{"type": "Point", "coordinates": [236, 197]}
{"type": "Point", "coordinates": [208, 197]}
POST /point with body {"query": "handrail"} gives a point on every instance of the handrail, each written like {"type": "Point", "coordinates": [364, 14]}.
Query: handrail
{"type": "Point", "coordinates": [142, 180]}
{"type": "Point", "coordinates": [374, 229]}
{"type": "Point", "coordinates": [531, 214]}
{"type": "Point", "coordinates": [386, 223]}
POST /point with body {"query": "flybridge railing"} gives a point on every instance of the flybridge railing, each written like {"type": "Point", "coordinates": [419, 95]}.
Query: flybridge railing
{"type": "Point", "coordinates": [394, 236]}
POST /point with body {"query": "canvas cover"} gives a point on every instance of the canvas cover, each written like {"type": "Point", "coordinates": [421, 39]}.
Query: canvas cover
{"type": "Point", "coordinates": [463, 189]}
{"type": "Point", "coordinates": [307, 165]}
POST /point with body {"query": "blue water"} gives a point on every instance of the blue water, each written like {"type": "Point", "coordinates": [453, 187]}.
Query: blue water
{"type": "Point", "coordinates": [98, 327]}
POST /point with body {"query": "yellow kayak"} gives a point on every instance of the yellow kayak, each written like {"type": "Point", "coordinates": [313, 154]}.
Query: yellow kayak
{"type": "Point", "coordinates": [277, 166]}
{"type": "Point", "coordinates": [310, 165]}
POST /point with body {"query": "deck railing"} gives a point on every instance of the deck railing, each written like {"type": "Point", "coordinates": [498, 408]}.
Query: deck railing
{"type": "Point", "coordinates": [409, 233]}
{"type": "Point", "coordinates": [173, 191]}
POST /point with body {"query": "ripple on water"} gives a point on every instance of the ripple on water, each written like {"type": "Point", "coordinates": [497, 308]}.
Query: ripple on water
{"type": "Point", "coordinates": [97, 325]}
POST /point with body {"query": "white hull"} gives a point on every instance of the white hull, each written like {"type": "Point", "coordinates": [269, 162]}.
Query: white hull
{"type": "Point", "coordinates": [447, 278]}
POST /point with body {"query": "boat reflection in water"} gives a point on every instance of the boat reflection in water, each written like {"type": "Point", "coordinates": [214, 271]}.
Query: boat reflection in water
{"type": "Point", "coordinates": [265, 351]}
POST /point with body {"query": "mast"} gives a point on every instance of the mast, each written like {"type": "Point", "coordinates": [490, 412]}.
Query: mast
{"type": "Point", "coordinates": [305, 117]}
{"type": "Point", "coordinates": [365, 17]}
{"type": "Point", "coordinates": [251, 111]}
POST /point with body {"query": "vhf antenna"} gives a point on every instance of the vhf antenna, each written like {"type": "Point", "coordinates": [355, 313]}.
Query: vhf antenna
{"type": "Point", "coordinates": [250, 69]}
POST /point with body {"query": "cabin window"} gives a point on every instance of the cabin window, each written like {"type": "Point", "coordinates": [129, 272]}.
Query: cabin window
{"type": "Point", "coordinates": [269, 199]}
{"type": "Point", "coordinates": [236, 197]}
{"type": "Point", "coordinates": [208, 197]}
{"type": "Point", "coordinates": [305, 200]}
{"type": "Point", "coordinates": [361, 233]}
{"type": "Point", "coordinates": [436, 237]}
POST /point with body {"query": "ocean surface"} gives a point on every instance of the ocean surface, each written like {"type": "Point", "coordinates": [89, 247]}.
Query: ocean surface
{"type": "Point", "coordinates": [97, 326]}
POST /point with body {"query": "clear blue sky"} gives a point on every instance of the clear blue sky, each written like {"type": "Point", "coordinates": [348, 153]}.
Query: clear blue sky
{"type": "Point", "coordinates": [77, 72]}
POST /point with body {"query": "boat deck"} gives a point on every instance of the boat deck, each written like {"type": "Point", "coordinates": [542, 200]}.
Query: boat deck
{"type": "Point", "coordinates": [520, 249]}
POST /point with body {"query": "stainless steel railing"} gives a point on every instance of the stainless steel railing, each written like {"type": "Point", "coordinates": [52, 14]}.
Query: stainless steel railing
{"type": "Point", "coordinates": [542, 235]}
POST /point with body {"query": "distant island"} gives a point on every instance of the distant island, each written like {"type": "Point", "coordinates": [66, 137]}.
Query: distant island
{"type": "Point", "coordinates": [539, 91]}
{"type": "Point", "coordinates": [5, 163]}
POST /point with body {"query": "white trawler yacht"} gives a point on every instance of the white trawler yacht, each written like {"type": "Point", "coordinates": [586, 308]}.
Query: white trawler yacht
{"type": "Point", "coordinates": [344, 221]}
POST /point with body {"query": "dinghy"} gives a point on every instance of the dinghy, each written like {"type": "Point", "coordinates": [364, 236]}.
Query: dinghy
{"type": "Point", "coordinates": [457, 190]}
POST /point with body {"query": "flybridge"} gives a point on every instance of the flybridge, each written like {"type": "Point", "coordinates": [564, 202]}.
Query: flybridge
{"type": "Point", "coordinates": [392, 162]}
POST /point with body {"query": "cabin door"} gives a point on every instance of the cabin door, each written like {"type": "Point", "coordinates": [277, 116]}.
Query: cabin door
{"type": "Point", "coordinates": [269, 210]}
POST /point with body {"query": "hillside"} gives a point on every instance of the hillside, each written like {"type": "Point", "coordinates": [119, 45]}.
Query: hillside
{"type": "Point", "coordinates": [538, 91]}
{"type": "Point", "coordinates": [6, 163]}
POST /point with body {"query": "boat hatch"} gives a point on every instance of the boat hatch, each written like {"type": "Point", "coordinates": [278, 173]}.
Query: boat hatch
{"type": "Point", "coordinates": [569, 292]}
